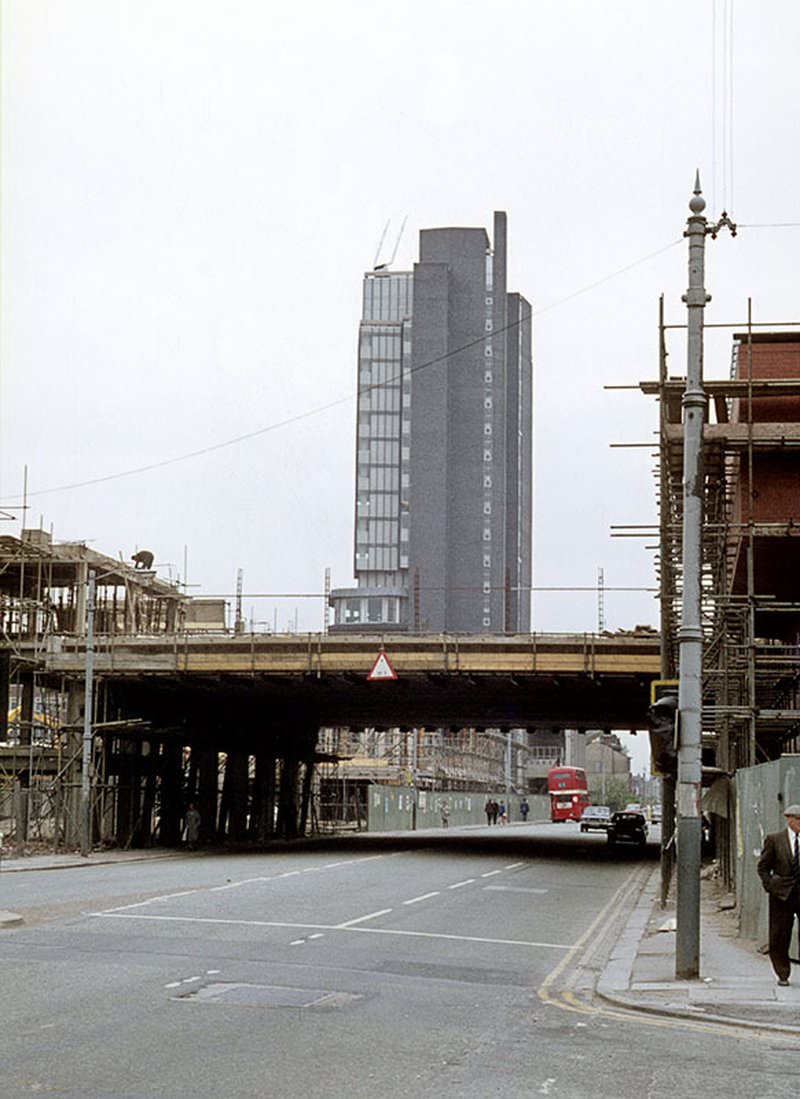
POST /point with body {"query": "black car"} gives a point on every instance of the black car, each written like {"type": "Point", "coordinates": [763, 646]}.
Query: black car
{"type": "Point", "coordinates": [628, 827]}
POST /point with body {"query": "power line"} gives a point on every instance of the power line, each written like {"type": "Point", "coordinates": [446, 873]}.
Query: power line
{"type": "Point", "coordinates": [235, 440]}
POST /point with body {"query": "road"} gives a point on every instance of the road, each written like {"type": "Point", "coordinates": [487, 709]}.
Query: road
{"type": "Point", "coordinates": [459, 966]}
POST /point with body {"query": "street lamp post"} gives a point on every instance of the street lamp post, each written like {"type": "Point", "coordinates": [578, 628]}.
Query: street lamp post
{"type": "Point", "coordinates": [690, 634]}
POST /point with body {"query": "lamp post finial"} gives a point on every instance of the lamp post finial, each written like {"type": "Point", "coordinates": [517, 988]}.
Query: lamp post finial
{"type": "Point", "coordinates": [697, 203]}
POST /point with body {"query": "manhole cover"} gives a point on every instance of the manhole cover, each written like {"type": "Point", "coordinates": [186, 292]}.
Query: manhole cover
{"type": "Point", "coordinates": [248, 995]}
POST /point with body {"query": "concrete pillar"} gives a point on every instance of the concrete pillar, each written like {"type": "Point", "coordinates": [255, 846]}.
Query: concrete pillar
{"type": "Point", "coordinates": [308, 776]}
{"type": "Point", "coordinates": [262, 816]}
{"type": "Point", "coordinates": [235, 796]}
{"type": "Point", "coordinates": [143, 833]}
{"type": "Point", "coordinates": [171, 807]}
{"type": "Point", "coordinates": [208, 793]}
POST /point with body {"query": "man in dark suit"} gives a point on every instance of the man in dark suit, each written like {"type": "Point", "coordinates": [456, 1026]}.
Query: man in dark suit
{"type": "Point", "coordinates": [779, 870]}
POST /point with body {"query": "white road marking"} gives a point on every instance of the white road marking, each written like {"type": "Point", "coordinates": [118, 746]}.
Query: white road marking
{"type": "Point", "coordinates": [154, 900]}
{"type": "Point", "coordinates": [361, 919]}
{"type": "Point", "coordinates": [514, 865]}
{"type": "Point", "coordinates": [514, 889]}
{"type": "Point", "coordinates": [112, 914]}
{"type": "Point", "coordinates": [424, 897]}
{"type": "Point", "coordinates": [297, 942]}
{"type": "Point", "coordinates": [459, 938]}
{"type": "Point", "coordinates": [458, 884]}
{"type": "Point", "coordinates": [491, 873]}
{"type": "Point", "coordinates": [244, 881]}
{"type": "Point", "coordinates": [317, 935]}
{"type": "Point", "coordinates": [348, 927]}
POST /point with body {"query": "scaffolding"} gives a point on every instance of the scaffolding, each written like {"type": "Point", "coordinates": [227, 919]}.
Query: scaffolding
{"type": "Point", "coordinates": [750, 554]}
{"type": "Point", "coordinates": [43, 602]}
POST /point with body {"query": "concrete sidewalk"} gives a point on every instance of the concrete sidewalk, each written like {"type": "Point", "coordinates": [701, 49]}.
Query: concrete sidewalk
{"type": "Point", "coordinates": [736, 984]}
{"type": "Point", "coordinates": [64, 861]}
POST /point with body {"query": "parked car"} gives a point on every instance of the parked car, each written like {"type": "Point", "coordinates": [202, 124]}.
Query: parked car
{"type": "Point", "coordinates": [595, 816]}
{"type": "Point", "coordinates": [627, 827]}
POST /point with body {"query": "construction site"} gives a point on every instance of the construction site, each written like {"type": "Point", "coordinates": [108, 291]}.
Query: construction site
{"type": "Point", "coordinates": [125, 702]}
{"type": "Point", "coordinates": [750, 556]}
{"type": "Point", "coordinates": [139, 760]}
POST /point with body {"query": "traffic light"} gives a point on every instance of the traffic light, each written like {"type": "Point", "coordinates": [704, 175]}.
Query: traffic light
{"type": "Point", "coordinates": [662, 715]}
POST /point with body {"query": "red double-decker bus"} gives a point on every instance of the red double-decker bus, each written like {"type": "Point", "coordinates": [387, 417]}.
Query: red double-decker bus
{"type": "Point", "coordinates": [569, 793]}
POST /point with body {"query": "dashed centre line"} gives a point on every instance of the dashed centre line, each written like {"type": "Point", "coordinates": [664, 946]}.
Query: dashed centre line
{"type": "Point", "coordinates": [423, 897]}
{"type": "Point", "coordinates": [460, 884]}
{"type": "Point", "coordinates": [361, 919]}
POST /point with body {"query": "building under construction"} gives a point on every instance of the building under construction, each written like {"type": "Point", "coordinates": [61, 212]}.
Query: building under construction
{"type": "Point", "coordinates": [750, 557]}
{"type": "Point", "coordinates": [44, 601]}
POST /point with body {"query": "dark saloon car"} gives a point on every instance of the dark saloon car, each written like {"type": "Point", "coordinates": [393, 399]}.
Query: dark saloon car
{"type": "Point", "coordinates": [628, 827]}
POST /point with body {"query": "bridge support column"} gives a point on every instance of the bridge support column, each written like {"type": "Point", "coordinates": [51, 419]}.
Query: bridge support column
{"type": "Point", "coordinates": [305, 798]}
{"type": "Point", "coordinates": [143, 832]}
{"type": "Point", "coordinates": [262, 814]}
{"type": "Point", "coordinates": [287, 798]}
{"type": "Point", "coordinates": [233, 806]}
{"type": "Point", "coordinates": [294, 796]}
{"type": "Point", "coordinates": [171, 807]}
{"type": "Point", "coordinates": [207, 793]}
{"type": "Point", "coordinates": [128, 793]}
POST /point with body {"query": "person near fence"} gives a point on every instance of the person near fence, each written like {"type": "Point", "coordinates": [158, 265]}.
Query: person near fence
{"type": "Point", "coordinates": [779, 871]}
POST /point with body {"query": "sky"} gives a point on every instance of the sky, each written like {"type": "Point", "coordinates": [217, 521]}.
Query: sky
{"type": "Point", "coordinates": [192, 191]}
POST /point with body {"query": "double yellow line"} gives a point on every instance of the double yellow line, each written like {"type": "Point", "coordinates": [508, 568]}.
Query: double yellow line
{"type": "Point", "coordinates": [564, 997]}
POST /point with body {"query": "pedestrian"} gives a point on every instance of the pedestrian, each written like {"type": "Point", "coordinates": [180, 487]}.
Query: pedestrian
{"type": "Point", "coordinates": [501, 812]}
{"type": "Point", "coordinates": [524, 809]}
{"type": "Point", "coordinates": [779, 870]}
{"type": "Point", "coordinates": [495, 808]}
{"type": "Point", "coordinates": [488, 810]}
{"type": "Point", "coordinates": [191, 827]}
{"type": "Point", "coordinates": [444, 810]}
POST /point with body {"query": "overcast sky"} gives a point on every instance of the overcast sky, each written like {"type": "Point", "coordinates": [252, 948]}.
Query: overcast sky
{"type": "Point", "coordinates": [193, 189]}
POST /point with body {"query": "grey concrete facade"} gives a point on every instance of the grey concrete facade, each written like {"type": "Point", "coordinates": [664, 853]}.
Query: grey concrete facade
{"type": "Point", "coordinates": [458, 541]}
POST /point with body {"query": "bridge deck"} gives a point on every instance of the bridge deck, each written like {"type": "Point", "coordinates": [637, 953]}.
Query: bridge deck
{"type": "Point", "coordinates": [563, 680]}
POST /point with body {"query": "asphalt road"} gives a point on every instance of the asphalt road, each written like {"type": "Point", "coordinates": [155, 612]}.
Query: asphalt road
{"type": "Point", "coordinates": [459, 966]}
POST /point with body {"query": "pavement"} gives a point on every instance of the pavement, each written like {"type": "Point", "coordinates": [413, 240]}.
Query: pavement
{"type": "Point", "coordinates": [736, 986]}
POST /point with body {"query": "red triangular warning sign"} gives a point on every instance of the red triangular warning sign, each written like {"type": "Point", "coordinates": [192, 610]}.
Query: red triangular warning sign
{"type": "Point", "coordinates": [382, 669]}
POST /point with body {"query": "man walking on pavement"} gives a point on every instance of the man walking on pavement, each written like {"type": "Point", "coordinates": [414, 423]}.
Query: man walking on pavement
{"type": "Point", "coordinates": [779, 870]}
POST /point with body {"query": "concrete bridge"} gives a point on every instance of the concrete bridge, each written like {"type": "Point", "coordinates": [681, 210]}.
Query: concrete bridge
{"type": "Point", "coordinates": [541, 680]}
{"type": "Point", "coordinates": [184, 711]}
{"type": "Point", "coordinates": [232, 721]}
